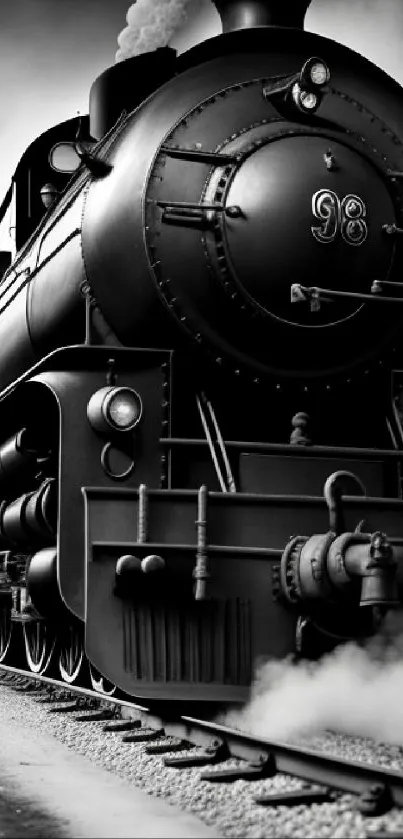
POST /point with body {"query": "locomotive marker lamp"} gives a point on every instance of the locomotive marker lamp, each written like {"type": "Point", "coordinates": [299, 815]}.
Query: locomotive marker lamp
{"type": "Point", "coordinates": [305, 100]}
{"type": "Point", "coordinates": [114, 409]}
{"type": "Point", "coordinates": [307, 91]}
{"type": "Point", "coordinates": [316, 73]}
{"type": "Point", "coordinates": [304, 89]}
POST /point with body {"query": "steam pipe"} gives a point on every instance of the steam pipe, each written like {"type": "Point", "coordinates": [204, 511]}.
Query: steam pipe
{"type": "Point", "coordinates": [246, 14]}
{"type": "Point", "coordinates": [370, 558]}
{"type": "Point", "coordinates": [333, 490]}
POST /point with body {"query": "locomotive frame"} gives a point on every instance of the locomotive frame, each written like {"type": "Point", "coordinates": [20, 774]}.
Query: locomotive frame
{"type": "Point", "coordinates": [168, 423]}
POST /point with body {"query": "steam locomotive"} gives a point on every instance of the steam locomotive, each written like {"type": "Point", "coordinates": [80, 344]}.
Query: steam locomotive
{"type": "Point", "coordinates": [201, 334]}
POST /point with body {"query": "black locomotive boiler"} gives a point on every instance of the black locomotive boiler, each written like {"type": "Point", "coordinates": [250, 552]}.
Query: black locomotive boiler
{"type": "Point", "coordinates": [200, 344]}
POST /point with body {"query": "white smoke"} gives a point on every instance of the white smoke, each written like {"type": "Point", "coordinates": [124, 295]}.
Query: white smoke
{"type": "Point", "coordinates": [356, 690]}
{"type": "Point", "coordinates": [151, 24]}
{"type": "Point", "coordinates": [372, 27]}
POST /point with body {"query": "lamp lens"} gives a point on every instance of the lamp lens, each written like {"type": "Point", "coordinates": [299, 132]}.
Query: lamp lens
{"type": "Point", "coordinates": [319, 73]}
{"type": "Point", "coordinates": [124, 409]}
{"type": "Point", "coordinates": [308, 100]}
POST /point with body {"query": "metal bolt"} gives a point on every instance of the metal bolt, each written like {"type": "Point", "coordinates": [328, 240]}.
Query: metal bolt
{"type": "Point", "coordinates": [391, 229]}
{"type": "Point", "coordinates": [233, 211]}
{"type": "Point", "coordinates": [330, 160]}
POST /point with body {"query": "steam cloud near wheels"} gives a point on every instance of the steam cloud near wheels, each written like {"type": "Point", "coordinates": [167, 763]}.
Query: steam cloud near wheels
{"type": "Point", "coordinates": [357, 690]}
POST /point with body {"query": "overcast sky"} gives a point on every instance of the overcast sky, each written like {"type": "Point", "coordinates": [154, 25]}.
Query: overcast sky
{"type": "Point", "coordinates": [51, 51]}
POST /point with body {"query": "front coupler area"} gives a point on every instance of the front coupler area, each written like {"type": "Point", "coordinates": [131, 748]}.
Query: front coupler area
{"type": "Point", "coordinates": [187, 590]}
{"type": "Point", "coordinates": [180, 600]}
{"type": "Point", "coordinates": [341, 567]}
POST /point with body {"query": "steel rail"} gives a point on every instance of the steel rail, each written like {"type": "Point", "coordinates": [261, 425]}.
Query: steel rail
{"type": "Point", "coordinates": [313, 766]}
{"type": "Point", "coordinates": [81, 691]}
{"type": "Point", "coordinates": [326, 770]}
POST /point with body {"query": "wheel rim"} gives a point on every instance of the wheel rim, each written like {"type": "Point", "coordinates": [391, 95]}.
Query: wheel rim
{"type": "Point", "coordinates": [71, 653]}
{"type": "Point", "coordinates": [39, 642]}
{"type": "Point", "coordinates": [100, 683]}
{"type": "Point", "coordinates": [5, 631]}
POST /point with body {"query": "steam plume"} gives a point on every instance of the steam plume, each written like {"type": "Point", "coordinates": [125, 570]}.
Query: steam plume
{"type": "Point", "coordinates": [151, 24]}
{"type": "Point", "coordinates": [354, 690]}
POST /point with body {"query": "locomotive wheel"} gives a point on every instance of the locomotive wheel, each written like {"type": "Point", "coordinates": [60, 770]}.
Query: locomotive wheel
{"type": "Point", "coordinates": [5, 631]}
{"type": "Point", "coordinates": [39, 640]}
{"type": "Point", "coordinates": [71, 653]}
{"type": "Point", "coordinates": [100, 683]}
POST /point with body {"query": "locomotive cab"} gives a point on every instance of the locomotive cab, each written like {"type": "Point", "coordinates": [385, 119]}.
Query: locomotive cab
{"type": "Point", "coordinates": [42, 174]}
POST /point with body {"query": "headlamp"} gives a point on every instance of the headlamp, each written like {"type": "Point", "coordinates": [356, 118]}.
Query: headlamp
{"type": "Point", "coordinates": [315, 72]}
{"type": "Point", "coordinates": [114, 409]}
{"type": "Point", "coordinates": [306, 100]}
{"type": "Point", "coordinates": [319, 73]}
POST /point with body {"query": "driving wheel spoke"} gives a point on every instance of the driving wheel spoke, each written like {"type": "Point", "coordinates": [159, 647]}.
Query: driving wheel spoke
{"type": "Point", "coordinates": [39, 640]}
{"type": "Point", "coordinates": [71, 653]}
{"type": "Point", "coordinates": [100, 683]}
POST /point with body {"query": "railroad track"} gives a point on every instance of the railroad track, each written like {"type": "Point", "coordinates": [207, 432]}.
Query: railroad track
{"type": "Point", "coordinates": [211, 746]}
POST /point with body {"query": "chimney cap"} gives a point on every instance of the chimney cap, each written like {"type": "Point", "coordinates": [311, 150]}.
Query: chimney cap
{"type": "Point", "coordinates": [246, 14]}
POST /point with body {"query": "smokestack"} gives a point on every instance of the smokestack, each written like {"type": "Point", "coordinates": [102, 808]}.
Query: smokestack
{"type": "Point", "coordinates": [245, 14]}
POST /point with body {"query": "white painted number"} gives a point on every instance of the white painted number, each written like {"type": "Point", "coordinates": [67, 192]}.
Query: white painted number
{"type": "Point", "coordinates": [346, 217]}
{"type": "Point", "coordinates": [354, 228]}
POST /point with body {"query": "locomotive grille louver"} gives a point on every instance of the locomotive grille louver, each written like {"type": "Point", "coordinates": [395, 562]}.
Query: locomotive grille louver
{"type": "Point", "coordinates": [174, 644]}
{"type": "Point", "coordinates": [244, 14]}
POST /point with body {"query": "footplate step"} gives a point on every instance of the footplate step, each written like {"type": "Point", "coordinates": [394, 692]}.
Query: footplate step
{"type": "Point", "coordinates": [264, 767]}
{"type": "Point", "coordinates": [216, 754]}
{"type": "Point", "coordinates": [295, 796]}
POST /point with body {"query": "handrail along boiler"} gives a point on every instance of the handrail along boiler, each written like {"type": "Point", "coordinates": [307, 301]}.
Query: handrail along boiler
{"type": "Point", "coordinates": [200, 347]}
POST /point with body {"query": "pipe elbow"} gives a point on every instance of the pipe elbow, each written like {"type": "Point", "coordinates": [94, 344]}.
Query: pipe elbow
{"type": "Point", "coordinates": [379, 586]}
{"type": "Point", "coordinates": [335, 486]}
{"type": "Point", "coordinates": [370, 558]}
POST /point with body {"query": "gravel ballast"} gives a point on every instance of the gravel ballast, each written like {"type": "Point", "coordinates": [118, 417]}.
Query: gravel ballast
{"type": "Point", "coordinates": [228, 809]}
